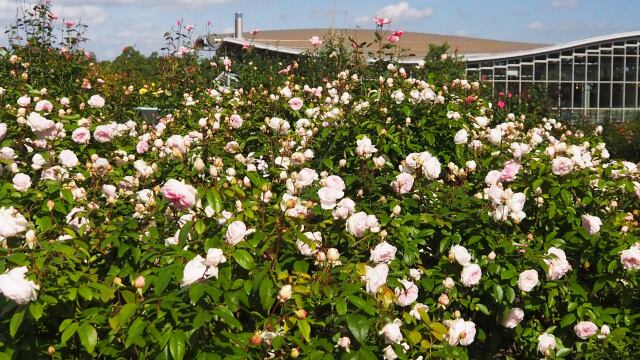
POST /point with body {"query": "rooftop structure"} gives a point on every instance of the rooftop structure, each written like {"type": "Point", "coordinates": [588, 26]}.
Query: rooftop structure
{"type": "Point", "coordinates": [594, 79]}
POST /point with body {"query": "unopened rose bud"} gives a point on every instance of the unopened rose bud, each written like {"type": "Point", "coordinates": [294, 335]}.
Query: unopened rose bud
{"type": "Point", "coordinates": [301, 314]}
{"type": "Point", "coordinates": [342, 163]}
{"type": "Point", "coordinates": [624, 229]}
{"type": "Point", "coordinates": [396, 210]}
{"type": "Point", "coordinates": [492, 256]}
{"type": "Point", "coordinates": [456, 314]}
{"type": "Point", "coordinates": [285, 293]}
{"type": "Point", "coordinates": [51, 351]}
{"type": "Point", "coordinates": [30, 237]}
{"type": "Point", "coordinates": [448, 283]}
{"type": "Point", "coordinates": [604, 332]}
{"type": "Point", "coordinates": [321, 256]}
{"type": "Point", "coordinates": [344, 342]}
{"type": "Point", "coordinates": [443, 299]}
{"type": "Point", "coordinates": [50, 205]}
{"type": "Point", "coordinates": [256, 339]}
{"type": "Point", "coordinates": [614, 204]}
{"type": "Point", "coordinates": [333, 255]}
{"type": "Point", "coordinates": [295, 353]}
{"type": "Point", "coordinates": [198, 165]}
{"type": "Point", "coordinates": [117, 281]}
{"type": "Point", "coordinates": [139, 282]}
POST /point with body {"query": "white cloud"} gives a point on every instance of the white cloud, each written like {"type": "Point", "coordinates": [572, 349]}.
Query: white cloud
{"type": "Point", "coordinates": [398, 12]}
{"type": "Point", "coordinates": [461, 33]}
{"type": "Point", "coordinates": [402, 11]}
{"type": "Point", "coordinates": [89, 14]}
{"type": "Point", "coordinates": [570, 4]}
{"type": "Point", "coordinates": [536, 25]}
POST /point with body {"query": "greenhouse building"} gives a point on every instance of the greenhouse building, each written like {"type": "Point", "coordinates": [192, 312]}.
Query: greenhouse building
{"type": "Point", "coordinates": [594, 79]}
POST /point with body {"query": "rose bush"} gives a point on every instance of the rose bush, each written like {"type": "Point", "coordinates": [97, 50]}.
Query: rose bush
{"type": "Point", "coordinates": [352, 218]}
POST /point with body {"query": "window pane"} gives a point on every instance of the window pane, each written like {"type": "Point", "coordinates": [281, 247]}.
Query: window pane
{"type": "Point", "coordinates": [617, 96]}
{"type": "Point", "coordinates": [605, 68]}
{"type": "Point", "coordinates": [618, 68]}
{"type": "Point", "coordinates": [554, 69]}
{"type": "Point", "coordinates": [630, 95]}
{"type": "Point", "coordinates": [567, 69]}
{"type": "Point", "coordinates": [554, 93]}
{"type": "Point", "coordinates": [592, 68]}
{"type": "Point", "coordinates": [500, 74]}
{"type": "Point", "coordinates": [514, 89]}
{"type": "Point", "coordinates": [487, 74]}
{"type": "Point", "coordinates": [541, 71]}
{"type": "Point", "coordinates": [591, 95]}
{"type": "Point", "coordinates": [513, 73]}
{"type": "Point", "coordinates": [631, 68]}
{"type": "Point", "coordinates": [527, 72]}
{"type": "Point", "coordinates": [565, 95]}
{"type": "Point", "coordinates": [525, 90]}
{"type": "Point", "coordinates": [579, 66]}
{"type": "Point", "coordinates": [578, 95]}
{"type": "Point", "coordinates": [632, 50]}
{"type": "Point", "coordinates": [605, 95]}
{"type": "Point", "coordinates": [499, 88]}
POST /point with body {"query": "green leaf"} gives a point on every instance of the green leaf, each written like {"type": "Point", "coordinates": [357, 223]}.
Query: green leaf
{"type": "Point", "coordinates": [16, 321]}
{"type": "Point", "coordinates": [135, 330]}
{"type": "Point", "coordinates": [88, 336]}
{"type": "Point", "coordinates": [483, 308]}
{"type": "Point", "coordinates": [567, 320]}
{"type": "Point", "coordinates": [438, 330]}
{"type": "Point", "coordinates": [35, 308]}
{"type": "Point", "coordinates": [266, 294]}
{"type": "Point", "coordinates": [226, 314]}
{"type": "Point", "coordinates": [498, 293]}
{"type": "Point", "coordinates": [563, 352]}
{"type": "Point", "coordinates": [184, 232]}
{"type": "Point", "coordinates": [341, 306]}
{"type": "Point", "coordinates": [162, 281]}
{"type": "Point", "coordinates": [328, 163]}
{"type": "Point", "coordinates": [126, 312]}
{"type": "Point", "coordinates": [510, 294]}
{"type": "Point", "coordinates": [359, 327]}
{"type": "Point", "coordinates": [200, 227]}
{"type": "Point", "coordinates": [69, 331]}
{"type": "Point", "coordinates": [244, 259]}
{"type": "Point", "coordinates": [305, 329]}
{"type": "Point", "coordinates": [362, 304]}
{"type": "Point", "coordinates": [177, 346]}
{"type": "Point", "coordinates": [215, 200]}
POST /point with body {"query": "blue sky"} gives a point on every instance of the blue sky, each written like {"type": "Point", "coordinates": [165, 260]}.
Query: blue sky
{"type": "Point", "coordinates": [114, 24]}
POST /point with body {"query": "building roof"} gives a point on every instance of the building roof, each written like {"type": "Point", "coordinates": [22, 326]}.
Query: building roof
{"type": "Point", "coordinates": [296, 41]}
{"type": "Point", "coordinates": [553, 48]}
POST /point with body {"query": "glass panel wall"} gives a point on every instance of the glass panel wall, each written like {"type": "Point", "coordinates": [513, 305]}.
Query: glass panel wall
{"type": "Point", "coordinates": [597, 81]}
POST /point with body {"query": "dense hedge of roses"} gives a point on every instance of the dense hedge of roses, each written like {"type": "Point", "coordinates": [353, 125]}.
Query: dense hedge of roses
{"type": "Point", "coordinates": [355, 218]}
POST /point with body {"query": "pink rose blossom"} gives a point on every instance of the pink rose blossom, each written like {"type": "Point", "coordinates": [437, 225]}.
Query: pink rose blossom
{"type": "Point", "coordinates": [380, 21]}
{"type": "Point", "coordinates": [513, 318]}
{"type": "Point", "coordinates": [406, 295]}
{"type": "Point", "coordinates": [470, 275]}
{"type": "Point", "coordinates": [179, 194]}
{"type": "Point", "coordinates": [383, 253]}
{"type": "Point", "coordinates": [296, 103]}
{"type": "Point", "coordinates": [630, 258]}
{"type": "Point", "coordinates": [510, 171]}
{"type": "Point", "coordinates": [585, 329]}
{"type": "Point", "coordinates": [403, 183]}
{"type": "Point", "coordinates": [81, 135]}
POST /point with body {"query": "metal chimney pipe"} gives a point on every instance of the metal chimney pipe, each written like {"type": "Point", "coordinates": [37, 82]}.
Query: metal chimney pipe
{"type": "Point", "coordinates": [238, 26]}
